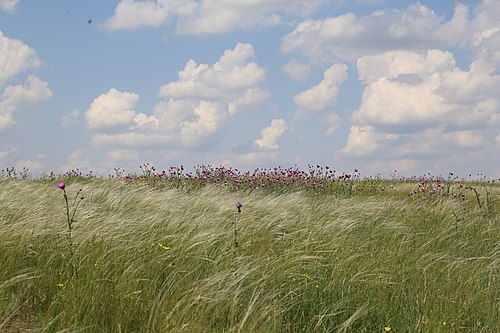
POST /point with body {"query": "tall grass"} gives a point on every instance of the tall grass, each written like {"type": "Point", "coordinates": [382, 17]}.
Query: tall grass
{"type": "Point", "coordinates": [163, 260]}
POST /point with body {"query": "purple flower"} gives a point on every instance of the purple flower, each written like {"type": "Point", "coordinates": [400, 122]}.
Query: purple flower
{"type": "Point", "coordinates": [239, 205]}
{"type": "Point", "coordinates": [61, 185]}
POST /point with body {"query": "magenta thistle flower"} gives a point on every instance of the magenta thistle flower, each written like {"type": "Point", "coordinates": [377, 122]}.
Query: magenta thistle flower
{"type": "Point", "coordinates": [61, 185]}
{"type": "Point", "coordinates": [239, 205]}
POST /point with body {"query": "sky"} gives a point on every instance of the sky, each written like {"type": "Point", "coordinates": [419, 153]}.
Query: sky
{"type": "Point", "coordinates": [382, 86]}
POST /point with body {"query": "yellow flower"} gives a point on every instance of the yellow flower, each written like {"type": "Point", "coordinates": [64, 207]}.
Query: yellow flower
{"type": "Point", "coordinates": [163, 246]}
{"type": "Point", "coordinates": [387, 328]}
{"type": "Point", "coordinates": [316, 286]}
{"type": "Point", "coordinates": [60, 285]}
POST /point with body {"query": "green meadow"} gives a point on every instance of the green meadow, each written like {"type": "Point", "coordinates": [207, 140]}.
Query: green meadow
{"type": "Point", "coordinates": [143, 258]}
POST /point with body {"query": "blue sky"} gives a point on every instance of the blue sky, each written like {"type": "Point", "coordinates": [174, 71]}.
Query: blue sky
{"type": "Point", "coordinates": [377, 85]}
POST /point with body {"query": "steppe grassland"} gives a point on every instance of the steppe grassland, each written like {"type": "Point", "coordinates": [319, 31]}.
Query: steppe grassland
{"type": "Point", "coordinates": [163, 260]}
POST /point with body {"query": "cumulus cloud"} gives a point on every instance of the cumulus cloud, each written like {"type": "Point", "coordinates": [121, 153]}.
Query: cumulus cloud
{"type": "Point", "coordinates": [76, 160]}
{"type": "Point", "coordinates": [407, 88]}
{"type": "Point", "coordinates": [225, 79]}
{"type": "Point", "coordinates": [16, 96]}
{"type": "Point", "coordinates": [296, 70]}
{"type": "Point", "coordinates": [15, 57]}
{"type": "Point", "coordinates": [111, 109]}
{"type": "Point", "coordinates": [347, 37]}
{"type": "Point", "coordinates": [324, 94]}
{"type": "Point", "coordinates": [194, 110]}
{"type": "Point", "coordinates": [333, 121]}
{"type": "Point", "coordinates": [364, 140]}
{"type": "Point", "coordinates": [270, 134]}
{"type": "Point", "coordinates": [432, 142]}
{"type": "Point", "coordinates": [206, 16]}
{"type": "Point", "coordinates": [251, 97]}
{"type": "Point", "coordinates": [8, 5]}
{"type": "Point", "coordinates": [130, 14]}
{"type": "Point", "coordinates": [422, 103]}
{"type": "Point", "coordinates": [69, 118]}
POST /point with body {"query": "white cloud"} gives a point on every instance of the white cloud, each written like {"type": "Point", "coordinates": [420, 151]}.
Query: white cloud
{"type": "Point", "coordinates": [16, 96]}
{"type": "Point", "coordinates": [412, 89]}
{"type": "Point", "coordinates": [224, 80]}
{"type": "Point", "coordinates": [76, 160]}
{"type": "Point", "coordinates": [347, 37]}
{"type": "Point", "coordinates": [251, 97]}
{"type": "Point", "coordinates": [270, 134]}
{"type": "Point", "coordinates": [392, 64]}
{"type": "Point", "coordinates": [208, 117]}
{"type": "Point", "coordinates": [422, 104]}
{"type": "Point", "coordinates": [197, 107]}
{"type": "Point", "coordinates": [69, 118]}
{"type": "Point", "coordinates": [15, 57]}
{"type": "Point", "coordinates": [35, 91]}
{"type": "Point", "coordinates": [206, 16]}
{"type": "Point", "coordinates": [364, 140]}
{"type": "Point", "coordinates": [212, 16]}
{"type": "Point", "coordinates": [115, 108]}
{"type": "Point", "coordinates": [432, 142]}
{"type": "Point", "coordinates": [6, 120]}
{"type": "Point", "coordinates": [438, 142]}
{"type": "Point", "coordinates": [144, 121]}
{"type": "Point", "coordinates": [296, 70]}
{"type": "Point", "coordinates": [8, 5]}
{"type": "Point", "coordinates": [130, 14]}
{"type": "Point", "coordinates": [324, 94]}
{"type": "Point", "coordinates": [333, 120]}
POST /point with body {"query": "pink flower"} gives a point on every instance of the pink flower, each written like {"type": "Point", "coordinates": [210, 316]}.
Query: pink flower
{"type": "Point", "coordinates": [239, 205]}
{"type": "Point", "coordinates": [61, 185]}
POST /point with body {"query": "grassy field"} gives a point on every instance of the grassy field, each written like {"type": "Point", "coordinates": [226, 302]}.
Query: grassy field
{"type": "Point", "coordinates": [150, 259]}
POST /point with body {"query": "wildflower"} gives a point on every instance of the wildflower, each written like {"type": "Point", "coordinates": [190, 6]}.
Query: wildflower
{"type": "Point", "coordinates": [61, 185]}
{"type": "Point", "coordinates": [387, 328]}
{"type": "Point", "coordinates": [60, 285]}
{"type": "Point", "coordinates": [239, 205]}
